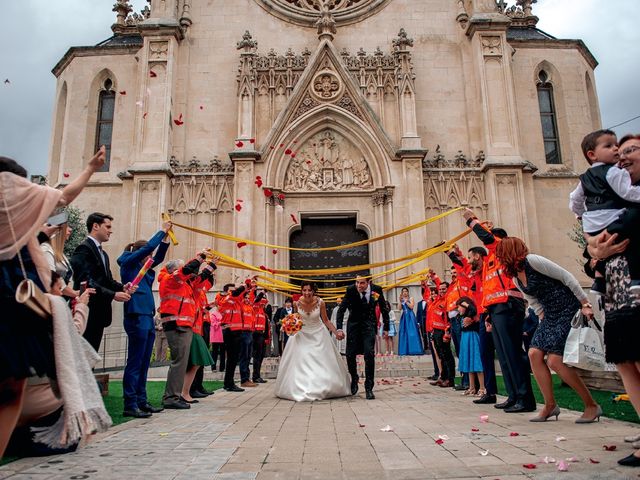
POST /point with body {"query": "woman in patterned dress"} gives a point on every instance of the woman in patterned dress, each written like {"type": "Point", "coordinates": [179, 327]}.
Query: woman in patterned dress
{"type": "Point", "coordinates": [555, 296]}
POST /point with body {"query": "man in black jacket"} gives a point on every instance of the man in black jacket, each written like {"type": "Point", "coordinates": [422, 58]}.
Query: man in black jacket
{"type": "Point", "coordinates": [361, 300]}
{"type": "Point", "coordinates": [91, 265]}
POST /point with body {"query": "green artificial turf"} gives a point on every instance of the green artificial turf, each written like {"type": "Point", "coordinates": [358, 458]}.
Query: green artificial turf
{"type": "Point", "coordinates": [567, 398]}
{"type": "Point", "coordinates": [114, 404]}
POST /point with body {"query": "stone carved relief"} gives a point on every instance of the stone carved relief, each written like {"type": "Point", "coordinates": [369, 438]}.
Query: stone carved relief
{"type": "Point", "coordinates": [306, 12]}
{"type": "Point", "coordinates": [193, 194]}
{"type": "Point", "coordinates": [326, 85]}
{"type": "Point", "coordinates": [195, 166]}
{"type": "Point", "coordinates": [491, 46]}
{"type": "Point", "coordinates": [327, 162]}
{"type": "Point", "coordinates": [158, 51]}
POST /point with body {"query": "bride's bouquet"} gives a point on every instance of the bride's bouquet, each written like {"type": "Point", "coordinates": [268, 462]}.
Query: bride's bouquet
{"type": "Point", "coordinates": [292, 323]}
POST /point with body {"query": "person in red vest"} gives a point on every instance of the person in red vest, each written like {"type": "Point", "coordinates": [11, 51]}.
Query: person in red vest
{"type": "Point", "coordinates": [437, 320]}
{"type": "Point", "coordinates": [177, 312]}
{"type": "Point", "coordinates": [455, 291]}
{"type": "Point", "coordinates": [504, 304]}
{"type": "Point", "coordinates": [261, 334]}
{"type": "Point", "coordinates": [230, 306]}
{"type": "Point", "coordinates": [246, 335]}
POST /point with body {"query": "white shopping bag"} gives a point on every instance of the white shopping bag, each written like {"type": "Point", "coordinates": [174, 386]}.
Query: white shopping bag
{"type": "Point", "coordinates": [584, 347]}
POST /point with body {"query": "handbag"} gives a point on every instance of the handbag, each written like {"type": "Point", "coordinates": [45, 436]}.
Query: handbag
{"type": "Point", "coordinates": [28, 293]}
{"type": "Point", "coordinates": [584, 348]}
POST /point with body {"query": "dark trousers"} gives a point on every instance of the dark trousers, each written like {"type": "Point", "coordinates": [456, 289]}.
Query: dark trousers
{"type": "Point", "coordinates": [232, 348]}
{"type": "Point", "coordinates": [219, 355]}
{"type": "Point", "coordinates": [246, 345]}
{"type": "Point", "coordinates": [456, 336]}
{"type": "Point", "coordinates": [141, 334]}
{"type": "Point", "coordinates": [436, 370]}
{"type": "Point", "coordinates": [443, 348]}
{"type": "Point", "coordinates": [369, 363]}
{"type": "Point", "coordinates": [94, 332]}
{"type": "Point", "coordinates": [488, 358]}
{"type": "Point", "coordinates": [197, 385]}
{"type": "Point", "coordinates": [506, 320]}
{"type": "Point", "coordinates": [258, 354]}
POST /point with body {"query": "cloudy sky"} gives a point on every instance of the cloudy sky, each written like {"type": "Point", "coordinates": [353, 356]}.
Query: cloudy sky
{"type": "Point", "coordinates": [38, 33]}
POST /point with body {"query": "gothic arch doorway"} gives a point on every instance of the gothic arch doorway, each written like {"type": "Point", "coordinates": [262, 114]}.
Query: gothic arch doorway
{"type": "Point", "coordinates": [325, 231]}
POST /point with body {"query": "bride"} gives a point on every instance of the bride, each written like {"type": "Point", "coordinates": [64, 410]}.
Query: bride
{"type": "Point", "coordinates": [311, 367]}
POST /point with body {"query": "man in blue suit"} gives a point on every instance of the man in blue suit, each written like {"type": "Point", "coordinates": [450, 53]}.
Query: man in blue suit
{"type": "Point", "coordinates": [138, 320]}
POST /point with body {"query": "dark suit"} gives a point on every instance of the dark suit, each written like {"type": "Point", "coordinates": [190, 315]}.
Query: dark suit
{"type": "Point", "coordinates": [361, 329]}
{"type": "Point", "coordinates": [88, 266]}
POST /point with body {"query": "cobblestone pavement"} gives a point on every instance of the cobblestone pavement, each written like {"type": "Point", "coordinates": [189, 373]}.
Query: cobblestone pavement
{"type": "Point", "coordinates": [253, 435]}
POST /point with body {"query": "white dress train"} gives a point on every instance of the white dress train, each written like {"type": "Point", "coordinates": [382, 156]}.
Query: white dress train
{"type": "Point", "coordinates": [311, 367]}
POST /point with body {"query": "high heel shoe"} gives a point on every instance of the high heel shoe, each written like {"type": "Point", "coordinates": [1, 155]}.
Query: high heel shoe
{"type": "Point", "coordinates": [591, 420]}
{"type": "Point", "coordinates": [543, 418]}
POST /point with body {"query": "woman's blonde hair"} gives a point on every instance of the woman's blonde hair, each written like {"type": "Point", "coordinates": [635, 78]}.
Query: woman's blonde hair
{"type": "Point", "coordinates": [58, 241]}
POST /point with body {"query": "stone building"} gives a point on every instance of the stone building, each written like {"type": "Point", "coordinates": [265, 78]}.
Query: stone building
{"type": "Point", "coordinates": [359, 117]}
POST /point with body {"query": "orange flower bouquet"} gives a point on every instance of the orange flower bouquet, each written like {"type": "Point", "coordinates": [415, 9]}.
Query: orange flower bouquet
{"type": "Point", "coordinates": [292, 323]}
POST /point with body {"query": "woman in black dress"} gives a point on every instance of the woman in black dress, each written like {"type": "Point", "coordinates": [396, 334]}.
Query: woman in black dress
{"type": "Point", "coordinates": [555, 296]}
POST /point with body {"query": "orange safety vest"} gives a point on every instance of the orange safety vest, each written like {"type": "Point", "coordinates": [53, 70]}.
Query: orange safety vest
{"type": "Point", "coordinates": [436, 314]}
{"type": "Point", "coordinates": [456, 290]}
{"type": "Point", "coordinates": [176, 298]}
{"type": "Point", "coordinates": [231, 310]}
{"type": "Point", "coordinates": [248, 317]}
{"type": "Point", "coordinates": [496, 286]}
{"type": "Point", "coordinates": [259, 317]}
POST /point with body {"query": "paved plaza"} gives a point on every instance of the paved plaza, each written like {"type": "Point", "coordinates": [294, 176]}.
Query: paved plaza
{"type": "Point", "coordinates": [253, 435]}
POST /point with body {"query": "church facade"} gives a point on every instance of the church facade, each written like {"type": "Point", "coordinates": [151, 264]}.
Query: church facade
{"type": "Point", "coordinates": [257, 117]}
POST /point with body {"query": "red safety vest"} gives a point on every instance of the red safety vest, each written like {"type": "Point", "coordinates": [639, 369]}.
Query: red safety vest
{"type": "Point", "coordinates": [176, 298]}
{"type": "Point", "coordinates": [496, 286]}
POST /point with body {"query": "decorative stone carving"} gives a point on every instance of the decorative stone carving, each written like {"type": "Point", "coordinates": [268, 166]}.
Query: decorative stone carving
{"type": "Point", "coordinates": [158, 51]}
{"type": "Point", "coordinates": [521, 14]}
{"type": "Point", "coordinates": [195, 167]}
{"type": "Point", "coordinates": [491, 46]}
{"type": "Point", "coordinates": [326, 24]}
{"type": "Point", "coordinates": [402, 41]}
{"type": "Point", "coordinates": [305, 12]}
{"type": "Point", "coordinates": [459, 161]}
{"type": "Point", "coordinates": [192, 194]}
{"type": "Point", "coordinates": [326, 85]}
{"type": "Point", "coordinates": [505, 179]}
{"type": "Point", "coordinates": [327, 162]}
{"type": "Point", "coordinates": [349, 105]}
{"type": "Point", "coordinates": [122, 9]}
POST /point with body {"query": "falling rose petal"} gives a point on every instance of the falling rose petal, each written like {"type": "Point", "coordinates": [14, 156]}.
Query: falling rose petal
{"type": "Point", "coordinates": [252, 140]}
{"type": "Point", "coordinates": [258, 176]}
{"type": "Point", "coordinates": [361, 425]}
{"type": "Point", "coordinates": [563, 466]}
{"type": "Point", "coordinates": [258, 182]}
{"type": "Point", "coordinates": [530, 466]}
{"type": "Point", "coordinates": [484, 453]}
{"type": "Point", "coordinates": [295, 141]}
{"type": "Point", "coordinates": [439, 441]}
{"type": "Point", "coordinates": [239, 200]}
{"type": "Point", "coordinates": [65, 175]}
{"type": "Point", "coordinates": [287, 151]}
{"type": "Point", "coordinates": [514, 434]}
{"type": "Point", "coordinates": [262, 267]}
{"type": "Point", "coordinates": [386, 429]}
{"type": "Point", "coordinates": [274, 251]}
{"type": "Point", "coordinates": [281, 145]}
{"type": "Point", "coordinates": [271, 147]}
{"type": "Point", "coordinates": [295, 297]}
{"type": "Point", "coordinates": [201, 107]}
{"type": "Point", "coordinates": [281, 196]}
{"type": "Point", "coordinates": [309, 162]}
{"type": "Point", "coordinates": [144, 115]}
{"type": "Point", "coordinates": [239, 144]}
{"type": "Point", "coordinates": [293, 218]}
{"type": "Point", "coordinates": [241, 244]}
{"type": "Point", "coordinates": [484, 418]}
{"type": "Point", "coordinates": [609, 448]}
{"type": "Point", "coordinates": [238, 207]}
{"type": "Point", "coordinates": [293, 155]}
{"type": "Point", "coordinates": [474, 429]}
{"type": "Point", "coordinates": [122, 92]}
{"type": "Point", "coordinates": [443, 437]}
{"type": "Point", "coordinates": [593, 460]}
{"type": "Point", "coordinates": [152, 74]}
{"type": "Point", "coordinates": [268, 192]}
{"type": "Point", "coordinates": [177, 122]}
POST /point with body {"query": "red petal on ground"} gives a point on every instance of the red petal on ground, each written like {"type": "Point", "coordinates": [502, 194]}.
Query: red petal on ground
{"type": "Point", "coordinates": [609, 448]}
{"type": "Point", "coordinates": [239, 144]}
{"type": "Point", "coordinates": [268, 192]}
{"type": "Point", "coordinates": [439, 441]}
{"type": "Point", "coordinates": [475, 429]}
{"type": "Point", "coordinates": [241, 244]}
{"type": "Point", "coordinates": [514, 434]}
{"type": "Point", "coordinates": [530, 466]}
{"type": "Point", "coordinates": [361, 426]}
{"type": "Point", "coordinates": [152, 74]}
{"type": "Point", "coordinates": [122, 92]}
{"type": "Point", "coordinates": [593, 460]}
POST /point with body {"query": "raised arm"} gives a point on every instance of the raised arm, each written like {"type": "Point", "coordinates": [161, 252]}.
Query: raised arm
{"type": "Point", "coordinates": [71, 191]}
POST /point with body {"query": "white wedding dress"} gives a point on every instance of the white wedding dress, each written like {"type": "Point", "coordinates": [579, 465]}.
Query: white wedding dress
{"type": "Point", "coordinates": [311, 367]}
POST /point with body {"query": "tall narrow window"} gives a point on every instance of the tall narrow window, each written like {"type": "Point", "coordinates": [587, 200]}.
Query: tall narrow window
{"type": "Point", "coordinates": [548, 119]}
{"type": "Point", "coordinates": [104, 125]}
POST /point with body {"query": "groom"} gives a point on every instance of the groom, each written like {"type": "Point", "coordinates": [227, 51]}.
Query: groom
{"type": "Point", "coordinates": [361, 300]}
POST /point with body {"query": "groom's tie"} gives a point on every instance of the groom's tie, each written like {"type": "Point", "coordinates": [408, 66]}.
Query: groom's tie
{"type": "Point", "coordinates": [364, 297]}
